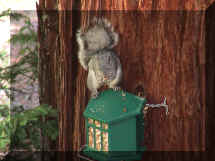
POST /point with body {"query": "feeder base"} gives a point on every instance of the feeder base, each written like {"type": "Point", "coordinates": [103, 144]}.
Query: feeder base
{"type": "Point", "coordinates": [111, 156]}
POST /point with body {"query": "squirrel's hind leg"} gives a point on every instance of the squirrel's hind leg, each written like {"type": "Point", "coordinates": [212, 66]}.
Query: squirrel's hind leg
{"type": "Point", "coordinates": [114, 84]}
{"type": "Point", "coordinates": [92, 84]}
{"type": "Point", "coordinates": [114, 87]}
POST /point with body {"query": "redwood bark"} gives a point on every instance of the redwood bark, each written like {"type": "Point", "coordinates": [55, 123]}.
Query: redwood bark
{"type": "Point", "coordinates": [162, 48]}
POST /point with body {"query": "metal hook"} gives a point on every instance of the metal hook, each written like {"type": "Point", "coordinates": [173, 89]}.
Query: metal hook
{"type": "Point", "coordinates": [165, 105]}
{"type": "Point", "coordinates": [160, 105]}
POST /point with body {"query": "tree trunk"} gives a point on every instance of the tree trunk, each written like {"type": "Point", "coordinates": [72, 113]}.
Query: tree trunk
{"type": "Point", "coordinates": [162, 51]}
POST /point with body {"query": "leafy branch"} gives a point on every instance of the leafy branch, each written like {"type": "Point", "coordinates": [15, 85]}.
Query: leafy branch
{"type": "Point", "coordinates": [20, 128]}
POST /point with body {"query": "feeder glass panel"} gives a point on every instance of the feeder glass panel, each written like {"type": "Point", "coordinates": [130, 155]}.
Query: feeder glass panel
{"type": "Point", "coordinates": [105, 126]}
{"type": "Point", "coordinates": [98, 139]}
{"type": "Point", "coordinates": [90, 121]}
{"type": "Point", "coordinates": [97, 123]}
{"type": "Point", "coordinates": [91, 137]}
{"type": "Point", "coordinates": [105, 141]}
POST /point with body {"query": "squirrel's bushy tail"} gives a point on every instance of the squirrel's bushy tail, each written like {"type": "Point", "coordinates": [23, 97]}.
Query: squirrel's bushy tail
{"type": "Point", "coordinates": [108, 31]}
{"type": "Point", "coordinates": [99, 35]}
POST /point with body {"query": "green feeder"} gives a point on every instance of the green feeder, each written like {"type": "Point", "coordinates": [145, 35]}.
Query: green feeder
{"type": "Point", "coordinates": [114, 126]}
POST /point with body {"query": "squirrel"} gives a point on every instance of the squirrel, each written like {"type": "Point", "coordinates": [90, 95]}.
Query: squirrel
{"type": "Point", "coordinates": [96, 55]}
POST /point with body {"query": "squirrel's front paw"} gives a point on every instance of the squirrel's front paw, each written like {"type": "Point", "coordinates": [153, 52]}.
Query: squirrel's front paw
{"type": "Point", "coordinates": [94, 95]}
{"type": "Point", "coordinates": [117, 88]}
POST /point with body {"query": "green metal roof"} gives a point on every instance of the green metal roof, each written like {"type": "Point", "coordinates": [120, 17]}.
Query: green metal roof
{"type": "Point", "coordinates": [111, 106]}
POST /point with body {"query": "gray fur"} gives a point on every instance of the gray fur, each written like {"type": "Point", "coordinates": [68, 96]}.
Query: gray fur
{"type": "Point", "coordinates": [96, 55]}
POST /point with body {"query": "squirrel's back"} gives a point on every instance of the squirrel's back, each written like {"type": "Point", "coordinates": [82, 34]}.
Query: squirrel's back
{"type": "Point", "coordinates": [105, 65]}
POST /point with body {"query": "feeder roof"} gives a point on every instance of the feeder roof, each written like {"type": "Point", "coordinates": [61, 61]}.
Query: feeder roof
{"type": "Point", "coordinates": [111, 106]}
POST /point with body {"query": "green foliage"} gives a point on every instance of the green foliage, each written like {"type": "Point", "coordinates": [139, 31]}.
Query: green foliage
{"type": "Point", "coordinates": [26, 38]}
{"type": "Point", "coordinates": [3, 55]}
{"type": "Point", "coordinates": [27, 125]}
{"type": "Point", "coordinates": [20, 128]}
{"type": "Point", "coordinates": [13, 15]}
